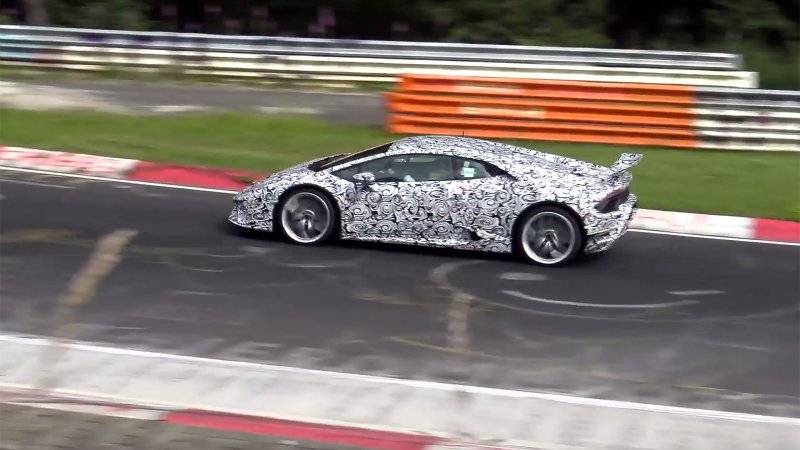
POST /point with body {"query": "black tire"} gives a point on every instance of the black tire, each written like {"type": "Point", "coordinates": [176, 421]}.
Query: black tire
{"type": "Point", "coordinates": [534, 240]}
{"type": "Point", "coordinates": [317, 202]}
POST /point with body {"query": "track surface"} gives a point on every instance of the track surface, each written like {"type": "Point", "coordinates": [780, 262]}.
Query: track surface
{"type": "Point", "coordinates": [357, 108]}
{"type": "Point", "coordinates": [662, 319]}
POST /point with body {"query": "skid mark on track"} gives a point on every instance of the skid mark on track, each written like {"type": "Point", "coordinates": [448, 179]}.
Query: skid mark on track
{"type": "Point", "coordinates": [744, 319]}
{"type": "Point", "coordinates": [72, 239]}
{"type": "Point", "coordinates": [438, 348]}
{"type": "Point", "coordinates": [458, 313]}
{"type": "Point", "coordinates": [18, 236]}
{"type": "Point", "coordinates": [693, 293]}
{"type": "Point", "coordinates": [736, 346]}
{"type": "Point", "coordinates": [599, 305]}
{"type": "Point", "coordinates": [603, 373]}
{"type": "Point", "coordinates": [107, 254]}
{"type": "Point", "coordinates": [375, 296]}
{"type": "Point", "coordinates": [172, 263]}
{"type": "Point", "coordinates": [194, 315]}
{"type": "Point", "coordinates": [181, 292]}
{"type": "Point", "coordinates": [324, 264]}
{"type": "Point", "coordinates": [522, 276]}
{"type": "Point", "coordinates": [35, 183]}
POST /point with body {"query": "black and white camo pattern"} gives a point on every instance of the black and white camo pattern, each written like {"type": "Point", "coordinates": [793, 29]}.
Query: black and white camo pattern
{"type": "Point", "coordinates": [476, 214]}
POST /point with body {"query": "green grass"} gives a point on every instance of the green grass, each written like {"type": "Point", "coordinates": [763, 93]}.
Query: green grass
{"type": "Point", "coordinates": [716, 182]}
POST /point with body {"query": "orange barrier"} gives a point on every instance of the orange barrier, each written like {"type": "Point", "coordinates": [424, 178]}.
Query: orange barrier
{"type": "Point", "coordinates": [541, 131]}
{"type": "Point", "coordinates": [538, 110]}
{"type": "Point", "coordinates": [557, 89]}
{"type": "Point", "coordinates": [614, 113]}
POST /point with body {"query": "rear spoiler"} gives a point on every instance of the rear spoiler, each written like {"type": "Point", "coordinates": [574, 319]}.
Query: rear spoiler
{"type": "Point", "coordinates": [624, 162]}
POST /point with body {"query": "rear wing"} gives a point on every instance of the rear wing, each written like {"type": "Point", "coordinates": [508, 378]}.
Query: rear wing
{"type": "Point", "coordinates": [624, 162]}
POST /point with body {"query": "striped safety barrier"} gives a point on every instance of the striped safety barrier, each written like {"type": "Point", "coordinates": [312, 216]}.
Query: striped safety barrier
{"type": "Point", "coordinates": [348, 61]}
{"type": "Point", "coordinates": [581, 111]}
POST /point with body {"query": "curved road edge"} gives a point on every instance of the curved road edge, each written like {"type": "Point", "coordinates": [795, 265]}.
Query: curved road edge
{"type": "Point", "coordinates": [358, 408]}
{"type": "Point", "coordinates": [131, 170]}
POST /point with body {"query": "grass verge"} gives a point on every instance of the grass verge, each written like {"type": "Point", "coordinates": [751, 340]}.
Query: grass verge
{"type": "Point", "coordinates": [756, 184]}
{"type": "Point", "coordinates": [172, 77]}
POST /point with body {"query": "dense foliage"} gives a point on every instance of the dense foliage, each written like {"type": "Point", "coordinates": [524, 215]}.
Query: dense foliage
{"type": "Point", "coordinates": [766, 32]}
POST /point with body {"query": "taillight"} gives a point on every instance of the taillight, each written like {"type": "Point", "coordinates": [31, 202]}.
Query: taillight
{"type": "Point", "coordinates": [613, 200]}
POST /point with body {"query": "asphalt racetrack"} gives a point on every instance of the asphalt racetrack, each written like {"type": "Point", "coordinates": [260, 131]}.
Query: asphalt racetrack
{"type": "Point", "coordinates": [660, 319]}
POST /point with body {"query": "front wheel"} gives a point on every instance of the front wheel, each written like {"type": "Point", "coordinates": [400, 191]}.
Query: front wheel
{"type": "Point", "coordinates": [549, 236]}
{"type": "Point", "coordinates": [307, 217]}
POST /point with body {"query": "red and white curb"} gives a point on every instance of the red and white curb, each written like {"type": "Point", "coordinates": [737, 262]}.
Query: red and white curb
{"type": "Point", "coordinates": [275, 428]}
{"type": "Point", "coordinates": [222, 179]}
{"type": "Point", "coordinates": [124, 169]}
{"type": "Point", "coordinates": [712, 225]}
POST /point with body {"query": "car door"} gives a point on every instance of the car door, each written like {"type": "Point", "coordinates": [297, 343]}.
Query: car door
{"type": "Point", "coordinates": [409, 200]}
{"type": "Point", "coordinates": [429, 190]}
{"type": "Point", "coordinates": [484, 207]}
{"type": "Point", "coordinates": [376, 210]}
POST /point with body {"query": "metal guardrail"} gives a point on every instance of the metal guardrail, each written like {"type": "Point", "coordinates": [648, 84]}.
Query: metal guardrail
{"type": "Point", "coordinates": [379, 49]}
{"type": "Point", "coordinates": [351, 60]}
{"type": "Point", "coordinates": [784, 100]}
{"type": "Point", "coordinates": [747, 119]}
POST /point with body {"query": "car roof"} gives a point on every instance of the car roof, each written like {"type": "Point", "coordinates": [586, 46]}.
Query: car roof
{"type": "Point", "coordinates": [448, 145]}
{"type": "Point", "coordinates": [513, 159]}
{"type": "Point", "coordinates": [496, 152]}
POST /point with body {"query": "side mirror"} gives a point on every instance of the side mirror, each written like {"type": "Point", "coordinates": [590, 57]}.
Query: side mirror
{"type": "Point", "coordinates": [364, 178]}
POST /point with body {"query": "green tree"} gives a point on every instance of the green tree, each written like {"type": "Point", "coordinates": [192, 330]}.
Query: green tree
{"type": "Point", "coordinates": [766, 32]}
{"type": "Point", "coordinates": [104, 14]}
{"type": "Point", "coordinates": [36, 12]}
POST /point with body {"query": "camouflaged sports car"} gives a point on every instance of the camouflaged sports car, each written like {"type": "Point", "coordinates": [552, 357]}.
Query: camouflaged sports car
{"type": "Point", "coordinates": [448, 191]}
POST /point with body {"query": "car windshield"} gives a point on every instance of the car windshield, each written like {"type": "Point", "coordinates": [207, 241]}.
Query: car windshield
{"type": "Point", "coordinates": [346, 158]}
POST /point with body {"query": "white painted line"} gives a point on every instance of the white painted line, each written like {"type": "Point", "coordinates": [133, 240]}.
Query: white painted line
{"type": "Point", "coordinates": [34, 183]}
{"type": "Point", "coordinates": [583, 401]}
{"type": "Point", "coordinates": [110, 411]}
{"type": "Point", "coordinates": [718, 238]}
{"type": "Point", "coordinates": [178, 108]}
{"type": "Point", "coordinates": [599, 305]}
{"type": "Point", "coordinates": [332, 93]}
{"type": "Point", "coordinates": [172, 405]}
{"type": "Point", "coordinates": [225, 191]}
{"type": "Point", "coordinates": [736, 346]}
{"type": "Point", "coordinates": [285, 110]}
{"type": "Point", "coordinates": [118, 180]}
{"type": "Point", "coordinates": [522, 276]}
{"type": "Point", "coordinates": [690, 293]}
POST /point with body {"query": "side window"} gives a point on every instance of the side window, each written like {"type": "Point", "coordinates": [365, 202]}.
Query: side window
{"type": "Point", "coordinates": [348, 172]}
{"type": "Point", "coordinates": [470, 169]}
{"type": "Point", "coordinates": [381, 168]}
{"type": "Point", "coordinates": [405, 168]}
{"type": "Point", "coordinates": [427, 168]}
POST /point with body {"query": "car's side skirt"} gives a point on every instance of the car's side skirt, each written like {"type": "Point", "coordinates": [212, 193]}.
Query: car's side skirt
{"type": "Point", "coordinates": [486, 245]}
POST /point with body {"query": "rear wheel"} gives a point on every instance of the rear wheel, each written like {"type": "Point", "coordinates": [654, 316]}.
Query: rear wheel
{"type": "Point", "coordinates": [307, 217]}
{"type": "Point", "coordinates": [549, 236]}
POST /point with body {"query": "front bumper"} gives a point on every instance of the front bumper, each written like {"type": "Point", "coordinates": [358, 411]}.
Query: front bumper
{"type": "Point", "coordinates": [603, 230]}
{"type": "Point", "coordinates": [242, 216]}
